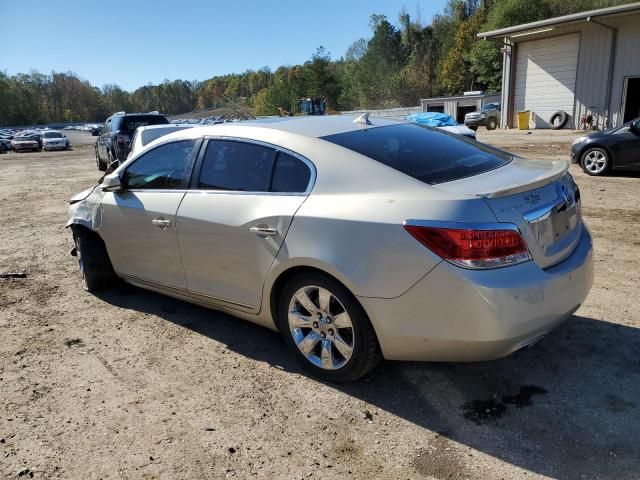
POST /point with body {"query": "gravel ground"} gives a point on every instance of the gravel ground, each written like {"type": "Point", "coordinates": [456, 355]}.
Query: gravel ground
{"type": "Point", "coordinates": [131, 384]}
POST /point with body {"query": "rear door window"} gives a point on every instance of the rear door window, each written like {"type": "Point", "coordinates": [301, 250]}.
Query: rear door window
{"type": "Point", "coordinates": [423, 153]}
{"type": "Point", "coordinates": [236, 166]}
{"type": "Point", "coordinates": [290, 175]}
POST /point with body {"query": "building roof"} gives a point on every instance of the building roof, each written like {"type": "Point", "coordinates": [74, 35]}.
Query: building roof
{"type": "Point", "coordinates": [574, 17]}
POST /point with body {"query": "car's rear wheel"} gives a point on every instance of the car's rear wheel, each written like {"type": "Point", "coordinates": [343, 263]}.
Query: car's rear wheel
{"type": "Point", "coordinates": [492, 124]}
{"type": "Point", "coordinates": [595, 161]}
{"type": "Point", "coordinates": [93, 260]}
{"type": "Point", "coordinates": [326, 328]}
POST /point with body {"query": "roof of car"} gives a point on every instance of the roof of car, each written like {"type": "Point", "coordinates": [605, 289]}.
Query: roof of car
{"type": "Point", "coordinates": [310, 126]}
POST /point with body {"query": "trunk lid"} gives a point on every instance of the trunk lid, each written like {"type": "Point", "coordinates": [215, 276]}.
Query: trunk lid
{"type": "Point", "coordinates": [539, 197]}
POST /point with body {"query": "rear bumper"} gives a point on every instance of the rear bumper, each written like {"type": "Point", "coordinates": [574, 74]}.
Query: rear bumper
{"type": "Point", "coordinates": [454, 314]}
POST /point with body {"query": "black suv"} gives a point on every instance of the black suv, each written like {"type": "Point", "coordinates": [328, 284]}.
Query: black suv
{"type": "Point", "coordinates": [114, 141]}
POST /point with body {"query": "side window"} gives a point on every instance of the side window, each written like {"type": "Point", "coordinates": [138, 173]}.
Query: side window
{"type": "Point", "coordinates": [106, 128]}
{"type": "Point", "coordinates": [164, 167]}
{"type": "Point", "coordinates": [290, 175]}
{"type": "Point", "coordinates": [237, 166]}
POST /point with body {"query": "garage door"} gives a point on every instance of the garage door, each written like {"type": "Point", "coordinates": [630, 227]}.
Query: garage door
{"type": "Point", "coordinates": [546, 77]}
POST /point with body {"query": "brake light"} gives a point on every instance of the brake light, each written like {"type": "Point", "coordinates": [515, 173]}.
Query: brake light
{"type": "Point", "coordinates": [479, 247]}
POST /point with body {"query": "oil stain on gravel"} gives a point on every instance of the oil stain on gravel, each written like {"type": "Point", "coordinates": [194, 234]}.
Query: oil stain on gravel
{"type": "Point", "coordinates": [481, 411]}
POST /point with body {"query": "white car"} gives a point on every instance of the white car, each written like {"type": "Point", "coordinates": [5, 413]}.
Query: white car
{"type": "Point", "coordinates": [147, 134]}
{"type": "Point", "coordinates": [54, 140]}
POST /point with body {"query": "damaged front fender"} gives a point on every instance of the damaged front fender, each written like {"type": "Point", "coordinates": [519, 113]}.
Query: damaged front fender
{"type": "Point", "coordinates": [85, 208]}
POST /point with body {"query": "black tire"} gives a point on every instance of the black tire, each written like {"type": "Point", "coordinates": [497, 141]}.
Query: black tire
{"type": "Point", "coordinates": [366, 351]}
{"type": "Point", "coordinates": [93, 260]}
{"type": "Point", "coordinates": [492, 124]}
{"type": "Point", "coordinates": [562, 116]}
{"type": "Point", "coordinates": [595, 161]}
{"type": "Point", "coordinates": [101, 166]}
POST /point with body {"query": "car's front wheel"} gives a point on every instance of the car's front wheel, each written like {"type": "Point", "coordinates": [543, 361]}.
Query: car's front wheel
{"type": "Point", "coordinates": [492, 124]}
{"type": "Point", "coordinates": [93, 260]}
{"type": "Point", "coordinates": [595, 161]}
{"type": "Point", "coordinates": [326, 328]}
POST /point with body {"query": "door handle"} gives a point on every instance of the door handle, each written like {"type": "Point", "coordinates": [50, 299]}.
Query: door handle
{"type": "Point", "coordinates": [263, 231]}
{"type": "Point", "coordinates": [161, 223]}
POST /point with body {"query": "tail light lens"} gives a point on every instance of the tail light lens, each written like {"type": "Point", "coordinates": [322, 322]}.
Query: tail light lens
{"type": "Point", "coordinates": [473, 247]}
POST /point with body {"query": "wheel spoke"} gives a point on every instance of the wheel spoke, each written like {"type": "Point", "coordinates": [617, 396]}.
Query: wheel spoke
{"type": "Point", "coordinates": [342, 320]}
{"type": "Point", "coordinates": [305, 301]}
{"type": "Point", "coordinates": [326, 355]}
{"type": "Point", "coordinates": [343, 347]}
{"type": "Point", "coordinates": [298, 320]}
{"type": "Point", "coordinates": [307, 344]}
{"type": "Point", "coordinates": [324, 299]}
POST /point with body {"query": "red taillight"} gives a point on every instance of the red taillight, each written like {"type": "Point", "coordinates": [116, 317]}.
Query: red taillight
{"type": "Point", "coordinates": [473, 248]}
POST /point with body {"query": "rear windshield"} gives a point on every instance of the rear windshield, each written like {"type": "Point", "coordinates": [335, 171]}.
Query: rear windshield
{"type": "Point", "coordinates": [52, 135]}
{"type": "Point", "coordinates": [152, 134]}
{"type": "Point", "coordinates": [130, 123]}
{"type": "Point", "coordinates": [423, 153]}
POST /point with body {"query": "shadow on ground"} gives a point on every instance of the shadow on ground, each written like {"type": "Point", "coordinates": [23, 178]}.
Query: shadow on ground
{"type": "Point", "coordinates": [569, 407]}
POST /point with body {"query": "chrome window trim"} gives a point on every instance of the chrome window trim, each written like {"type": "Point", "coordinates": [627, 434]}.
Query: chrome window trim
{"type": "Point", "coordinates": [462, 225]}
{"type": "Point", "coordinates": [277, 148]}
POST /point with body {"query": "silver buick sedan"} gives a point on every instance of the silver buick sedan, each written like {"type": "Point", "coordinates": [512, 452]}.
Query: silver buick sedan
{"type": "Point", "coordinates": [357, 239]}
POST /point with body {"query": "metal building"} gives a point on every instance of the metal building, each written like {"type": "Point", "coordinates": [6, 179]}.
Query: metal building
{"type": "Point", "coordinates": [586, 63]}
{"type": "Point", "coordinates": [458, 107]}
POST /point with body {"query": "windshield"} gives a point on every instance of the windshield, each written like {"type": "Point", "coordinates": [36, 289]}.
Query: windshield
{"type": "Point", "coordinates": [426, 154]}
{"type": "Point", "coordinates": [52, 135]}
{"type": "Point", "coordinates": [131, 122]}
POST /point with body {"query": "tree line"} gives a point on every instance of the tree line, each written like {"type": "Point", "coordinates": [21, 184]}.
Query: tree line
{"type": "Point", "coordinates": [401, 63]}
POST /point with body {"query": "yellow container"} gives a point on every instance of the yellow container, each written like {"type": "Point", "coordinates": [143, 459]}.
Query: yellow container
{"type": "Point", "coordinates": [523, 120]}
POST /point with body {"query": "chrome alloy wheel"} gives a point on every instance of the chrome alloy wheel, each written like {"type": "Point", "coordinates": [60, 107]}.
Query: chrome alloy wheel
{"type": "Point", "coordinates": [595, 161]}
{"type": "Point", "coordinates": [321, 327]}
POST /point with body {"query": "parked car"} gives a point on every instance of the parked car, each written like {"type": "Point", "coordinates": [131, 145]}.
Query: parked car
{"type": "Point", "coordinates": [355, 240]}
{"type": "Point", "coordinates": [54, 140]}
{"type": "Point", "coordinates": [114, 140]}
{"type": "Point", "coordinates": [95, 130]}
{"type": "Point", "coordinates": [443, 122]}
{"type": "Point", "coordinates": [488, 116]}
{"type": "Point", "coordinates": [617, 149]}
{"type": "Point", "coordinates": [145, 135]}
{"type": "Point", "coordinates": [27, 141]}
{"type": "Point", "coordinates": [5, 145]}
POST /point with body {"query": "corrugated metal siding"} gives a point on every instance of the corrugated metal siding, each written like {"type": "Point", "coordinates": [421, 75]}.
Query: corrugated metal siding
{"type": "Point", "coordinates": [593, 70]}
{"type": "Point", "coordinates": [545, 77]}
{"type": "Point", "coordinates": [627, 61]}
{"type": "Point", "coordinates": [592, 82]}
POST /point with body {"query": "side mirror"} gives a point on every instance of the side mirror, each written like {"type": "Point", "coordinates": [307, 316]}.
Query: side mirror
{"type": "Point", "coordinates": [112, 183]}
{"type": "Point", "coordinates": [635, 127]}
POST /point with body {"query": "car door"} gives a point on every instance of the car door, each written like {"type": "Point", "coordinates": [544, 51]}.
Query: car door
{"type": "Point", "coordinates": [139, 222]}
{"type": "Point", "coordinates": [629, 147]}
{"type": "Point", "coordinates": [234, 219]}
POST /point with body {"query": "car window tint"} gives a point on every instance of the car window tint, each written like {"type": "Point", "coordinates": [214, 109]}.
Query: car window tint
{"type": "Point", "coordinates": [237, 166]}
{"type": "Point", "coordinates": [130, 123]}
{"type": "Point", "coordinates": [164, 167]}
{"type": "Point", "coordinates": [424, 153]}
{"type": "Point", "coordinates": [290, 174]}
{"type": "Point", "coordinates": [152, 134]}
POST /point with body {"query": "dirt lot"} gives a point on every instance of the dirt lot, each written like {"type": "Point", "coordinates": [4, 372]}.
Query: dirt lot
{"type": "Point", "coordinates": [131, 384]}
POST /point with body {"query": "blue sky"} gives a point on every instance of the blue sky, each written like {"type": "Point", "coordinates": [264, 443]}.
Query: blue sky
{"type": "Point", "coordinates": [132, 43]}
